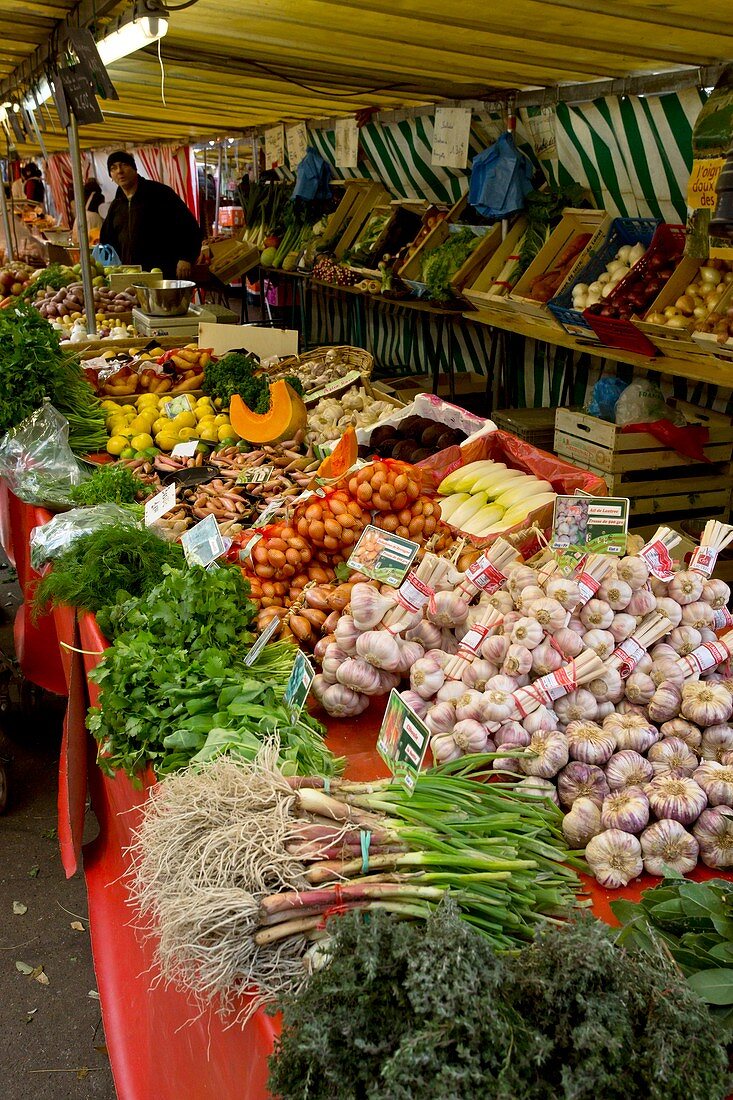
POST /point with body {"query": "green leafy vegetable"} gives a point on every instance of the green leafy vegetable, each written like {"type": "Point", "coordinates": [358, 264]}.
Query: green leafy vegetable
{"type": "Point", "coordinates": [403, 1011]}
{"type": "Point", "coordinates": [236, 373]}
{"type": "Point", "coordinates": [33, 366]}
{"type": "Point", "coordinates": [96, 567]}
{"type": "Point", "coordinates": [443, 262]}
{"type": "Point", "coordinates": [111, 484]}
{"type": "Point", "coordinates": [52, 276]}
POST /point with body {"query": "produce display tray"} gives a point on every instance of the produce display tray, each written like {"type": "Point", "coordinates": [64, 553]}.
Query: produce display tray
{"type": "Point", "coordinates": [660, 483]}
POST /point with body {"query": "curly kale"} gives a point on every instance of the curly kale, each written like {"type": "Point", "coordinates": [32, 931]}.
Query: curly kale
{"type": "Point", "coordinates": [430, 1012]}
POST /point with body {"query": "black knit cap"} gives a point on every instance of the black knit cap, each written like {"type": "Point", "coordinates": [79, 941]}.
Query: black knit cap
{"type": "Point", "coordinates": [120, 157]}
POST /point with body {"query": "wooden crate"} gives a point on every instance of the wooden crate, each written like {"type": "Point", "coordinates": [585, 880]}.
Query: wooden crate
{"type": "Point", "coordinates": [484, 292]}
{"type": "Point", "coordinates": [438, 235]}
{"type": "Point", "coordinates": [660, 483]}
{"type": "Point", "coordinates": [366, 199]}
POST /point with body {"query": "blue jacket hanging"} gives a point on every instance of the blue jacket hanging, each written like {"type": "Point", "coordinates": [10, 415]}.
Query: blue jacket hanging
{"type": "Point", "coordinates": [501, 177]}
{"type": "Point", "coordinates": [313, 177]}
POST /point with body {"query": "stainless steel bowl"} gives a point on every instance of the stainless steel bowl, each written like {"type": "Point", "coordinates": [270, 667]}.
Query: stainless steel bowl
{"type": "Point", "coordinates": [165, 297]}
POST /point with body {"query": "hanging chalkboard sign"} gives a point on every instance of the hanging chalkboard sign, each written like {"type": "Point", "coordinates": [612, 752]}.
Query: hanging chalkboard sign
{"type": "Point", "coordinates": [17, 126]}
{"type": "Point", "coordinates": [81, 41]}
{"type": "Point", "coordinates": [80, 96]}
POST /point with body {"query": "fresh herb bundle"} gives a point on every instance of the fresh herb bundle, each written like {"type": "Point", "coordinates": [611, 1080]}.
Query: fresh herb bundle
{"type": "Point", "coordinates": [236, 373]}
{"type": "Point", "coordinates": [402, 1011]}
{"type": "Point", "coordinates": [695, 922]}
{"type": "Point", "coordinates": [34, 366]}
{"type": "Point", "coordinates": [114, 483]}
{"type": "Point", "coordinates": [98, 566]}
{"type": "Point", "coordinates": [443, 262]}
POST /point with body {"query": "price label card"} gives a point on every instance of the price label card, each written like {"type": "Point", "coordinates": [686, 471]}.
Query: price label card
{"type": "Point", "coordinates": [349, 379]}
{"type": "Point", "coordinates": [584, 525]}
{"type": "Point", "coordinates": [185, 450]}
{"type": "Point", "coordinates": [184, 403]}
{"type": "Point", "coordinates": [451, 133]}
{"type": "Point", "coordinates": [203, 543]}
{"type": "Point", "coordinates": [275, 147]}
{"type": "Point", "coordinates": [296, 140]}
{"type": "Point", "coordinates": [162, 502]}
{"type": "Point", "coordinates": [383, 556]}
{"type": "Point", "coordinates": [403, 741]}
{"type": "Point", "coordinates": [271, 628]}
{"type": "Point", "coordinates": [347, 143]}
{"type": "Point", "coordinates": [299, 684]}
{"type": "Point", "coordinates": [256, 476]}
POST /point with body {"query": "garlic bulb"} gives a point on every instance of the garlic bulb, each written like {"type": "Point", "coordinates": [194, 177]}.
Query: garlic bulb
{"type": "Point", "coordinates": [360, 676]}
{"type": "Point", "coordinates": [601, 642]}
{"type": "Point", "coordinates": [608, 687]}
{"type": "Point", "coordinates": [717, 782]}
{"type": "Point", "coordinates": [410, 653]}
{"type": "Point", "coordinates": [568, 642]}
{"type": "Point", "coordinates": [540, 719]}
{"type": "Point", "coordinates": [604, 709]}
{"type": "Point", "coordinates": [626, 809]}
{"type": "Point", "coordinates": [427, 634]}
{"type": "Point", "coordinates": [478, 673]}
{"type": "Point", "coordinates": [466, 737]}
{"type": "Point", "coordinates": [450, 692]}
{"type": "Point", "coordinates": [641, 603]}
{"type": "Point", "coordinates": [578, 780]}
{"type": "Point", "coordinates": [537, 788]}
{"type": "Point", "coordinates": [713, 831]}
{"type": "Point", "coordinates": [519, 576]}
{"type": "Point", "coordinates": [596, 613]}
{"type": "Point", "coordinates": [623, 626]}
{"type": "Point", "coordinates": [546, 659]}
{"type": "Point", "coordinates": [333, 657]}
{"type": "Point", "coordinates": [341, 702]}
{"type": "Point", "coordinates": [346, 635]}
{"type": "Point", "coordinates": [527, 632]}
{"type": "Point", "coordinates": [441, 718]}
{"type": "Point", "coordinates": [685, 587]}
{"type": "Point", "coordinates": [550, 614]}
{"type": "Point", "coordinates": [631, 731]}
{"type": "Point", "coordinates": [616, 593]}
{"type": "Point", "coordinates": [367, 606]}
{"type": "Point", "coordinates": [589, 742]}
{"type": "Point", "coordinates": [501, 682]}
{"type": "Point", "coordinates": [668, 607]}
{"type": "Point", "coordinates": [639, 688]}
{"type": "Point", "coordinates": [667, 670]}
{"type": "Point", "coordinates": [683, 639]}
{"type": "Point", "coordinates": [564, 590]}
{"type": "Point", "coordinates": [576, 625]}
{"type": "Point", "coordinates": [667, 846]}
{"type": "Point", "coordinates": [470, 705]}
{"type": "Point", "coordinates": [525, 597]}
{"type": "Point", "coordinates": [511, 733]}
{"type": "Point", "coordinates": [665, 703]}
{"type": "Point", "coordinates": [699, 615]}
{"type": "Point", "coordinates": [672, 756]}
{"type": "Point", "coordinates": [716, 741]}
{"type": "Point", "coordinates": [550, 754]}
{"type": "Point", "coordinates": [447, 609]}
{"type": "Point", "coordinates": [663, 649]}
{"type": "Point", "coordinates": [577, 706]}
{"type": "Point", "coordinates": [706, 704]}
{"type": "Point", "coordinates": [582, 823]}
{"type": "Point", "coordinates": [439, 656]}
{"type": "Point", "coordinates": [644, 664]}
{"type": "Point", "coordinates": [415, 702]}
{"type": "Point", "coordinates": [614, 857]}
{"type": "Point", "coordinates": [498, 705]}
{"type": "Point", "coordinates": [716, 593]}
{"type": "Point", "coordinates": [634, 571]}
{"type": "Point", "coordinates": [625, 707]}
{"type": "Point", "coordinates": [379, 648]}
{"type": "Point", "coordinates": [628, 769]}
{"type": "Point", "coordinates": [683, 731]}
{"type": "Point", "coordinates": [494, 648]}
{"type": "Point", "coordinates": [678, 797]}
{"type": "Point", "coordinates": [518, 660]}
{"type": "Point", "coordinates": [502, 601]}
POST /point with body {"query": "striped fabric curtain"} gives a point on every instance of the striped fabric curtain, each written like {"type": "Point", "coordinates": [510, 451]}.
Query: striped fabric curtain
{"type": "Point", "coordinates": [59, 179]}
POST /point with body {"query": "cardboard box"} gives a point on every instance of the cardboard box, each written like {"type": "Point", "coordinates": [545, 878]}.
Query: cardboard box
{"type": "Point", "coordinates": [261, 341]}
{"type": "Point", "coordinates": [573, 222]}
{"type": "Point", "coordinates": [485, 291]}
{"type": "Point", "coordinates": [232, 258]}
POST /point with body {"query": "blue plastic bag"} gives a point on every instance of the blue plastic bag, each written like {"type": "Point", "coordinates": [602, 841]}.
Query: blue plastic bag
{"type": "Point", "coordinates": [313, 177]}
{"type": "Point", "coordinates": [105, 255]}
{"type": "Point", "coordinates": [606, 393]}
{"type": "Point", "coordinates": [501, 178]}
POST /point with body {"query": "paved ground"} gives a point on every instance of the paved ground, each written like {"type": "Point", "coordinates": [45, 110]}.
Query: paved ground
{"type": "Point", "coordinates": [52, 1045]}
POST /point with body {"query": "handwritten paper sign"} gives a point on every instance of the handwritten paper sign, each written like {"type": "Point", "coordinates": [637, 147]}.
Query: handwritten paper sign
{"type": "Point", "coordinates": [162, 502]}
{"type": "Point", "coordinates": [347, 143]}
{"type": "Point", "coordinates": [296, 139]}
{"type": "Point", "coordinates": [450, 136]}
{"type": "Point", "coordinates": [275, 147]}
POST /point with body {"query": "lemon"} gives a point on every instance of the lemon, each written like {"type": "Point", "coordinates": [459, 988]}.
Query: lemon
{"type": "Point", "coordinates": [110, 406]}
{"type": "Point", "coordinates": [139, 424]}
{"type": "Point", "coordinates": [226, 431]}
{"type": "Point", "coordinates": [166, 442]}
{"type": "Point", "coordinates": [116, 445]}
{"type": "Point", "coordinates": [184, 420]}
{"type": "Point", "coordinates": [129, 411]}
{"type": "Point", "coordinates": [220, 419]}
{"type": "Point", "coordinates": [187, 433]}
{"type": "Point", "coordinates": [202, 412]}
{"type": "Point", "coordinates": [203, 401]}
{"type": "Point", "coordinates": [141, 441]}
{"type": "Point", "coordinates": [207, 424]}
{"type": "Point", "coordinates": [165, 400]}
{"type": "Point", "coordinates": [160, 424]}
{"type": "Point", "coordinates": [147, 400]}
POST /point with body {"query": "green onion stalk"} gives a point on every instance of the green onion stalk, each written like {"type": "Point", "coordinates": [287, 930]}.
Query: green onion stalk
{"type": "Point", "coordinates": [238, 867]}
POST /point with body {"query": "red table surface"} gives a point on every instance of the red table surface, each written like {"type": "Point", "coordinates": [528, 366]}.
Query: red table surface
{"type": "Point", "coordinates": [158, 1043]}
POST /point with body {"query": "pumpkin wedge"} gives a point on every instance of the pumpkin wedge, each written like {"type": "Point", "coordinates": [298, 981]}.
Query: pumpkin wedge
{"type": "Point", "coordinates": [286, 416]}
{"type": "Point", "coordinates": [342, 457]}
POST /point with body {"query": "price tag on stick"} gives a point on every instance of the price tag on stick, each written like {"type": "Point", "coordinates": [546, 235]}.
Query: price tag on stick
{"type": "Point", "coordinates": [203, 544]}
{"type": "Point", "coordinates": [162, 502]}
{"type": "Point", "coordinates": [299, 684]}
{"type": "Point", "coordinates": [271, 628]}
{"type": "Point", "coordinates": [403, 741]}
{"type": "Point", "coordinates": [382, 555]}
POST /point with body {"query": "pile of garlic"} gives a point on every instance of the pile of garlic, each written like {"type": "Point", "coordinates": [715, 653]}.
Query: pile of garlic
{"type": "Point", "coordinates": [333, 415]}
{"type": "Point", "coordinates": [589, 294]}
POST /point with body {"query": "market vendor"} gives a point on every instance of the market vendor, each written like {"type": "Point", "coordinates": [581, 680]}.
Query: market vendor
{"type": "Point", "coordinates": [147, 223]}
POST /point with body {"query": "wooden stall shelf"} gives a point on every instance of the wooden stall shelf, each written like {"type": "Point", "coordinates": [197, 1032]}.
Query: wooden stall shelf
{"type": "Point", "coordinates": [660, 483]}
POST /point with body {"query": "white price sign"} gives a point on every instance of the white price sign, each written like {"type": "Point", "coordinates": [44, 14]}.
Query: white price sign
{"type": "Point", "coordinates": [275, 147]}
{"type": "Point", "coordinates": [185, 450]}
{"type": "Point", "coordinates": [203, 544]}
{"type": "Point", "coordinates": [451, 131]}
{"type": "Point", "coordinates": [161, 503]}
{"type": "Point", "coordinates": [296, 139]}
{"type": "Point", "coordinates": [347, 143]}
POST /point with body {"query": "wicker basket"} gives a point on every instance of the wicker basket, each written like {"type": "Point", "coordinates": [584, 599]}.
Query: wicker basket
{"type": "Point", "coordinates": [353, 358]}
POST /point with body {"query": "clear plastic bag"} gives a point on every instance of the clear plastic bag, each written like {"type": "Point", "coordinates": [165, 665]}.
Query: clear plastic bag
{"type": "Point", "coordinates": [36, 460]}
{"type": "Point", "coordinates": [642, 403]}
{"type": "Point", "coordinates": [50, 540]}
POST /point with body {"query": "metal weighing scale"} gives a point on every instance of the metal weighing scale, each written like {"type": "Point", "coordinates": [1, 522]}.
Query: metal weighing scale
{"type": "Point", "coordinates": [186, 326]}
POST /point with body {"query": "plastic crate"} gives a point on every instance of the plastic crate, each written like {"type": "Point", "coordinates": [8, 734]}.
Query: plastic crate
{"type": "Point", "coordinates": [623, 231]}
{"type": "Point", "coordinates": [615, 332]}
{"type": "Point", "coordinates": [535, 426]}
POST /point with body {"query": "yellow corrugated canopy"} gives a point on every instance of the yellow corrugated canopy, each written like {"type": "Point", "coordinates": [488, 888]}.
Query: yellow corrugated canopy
{"type": "Point", "coordinates": [230, 65]}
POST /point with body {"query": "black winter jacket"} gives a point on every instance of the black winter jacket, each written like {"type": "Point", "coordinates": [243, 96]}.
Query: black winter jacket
{"type": "Point", "coordinates": [154, 228]}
